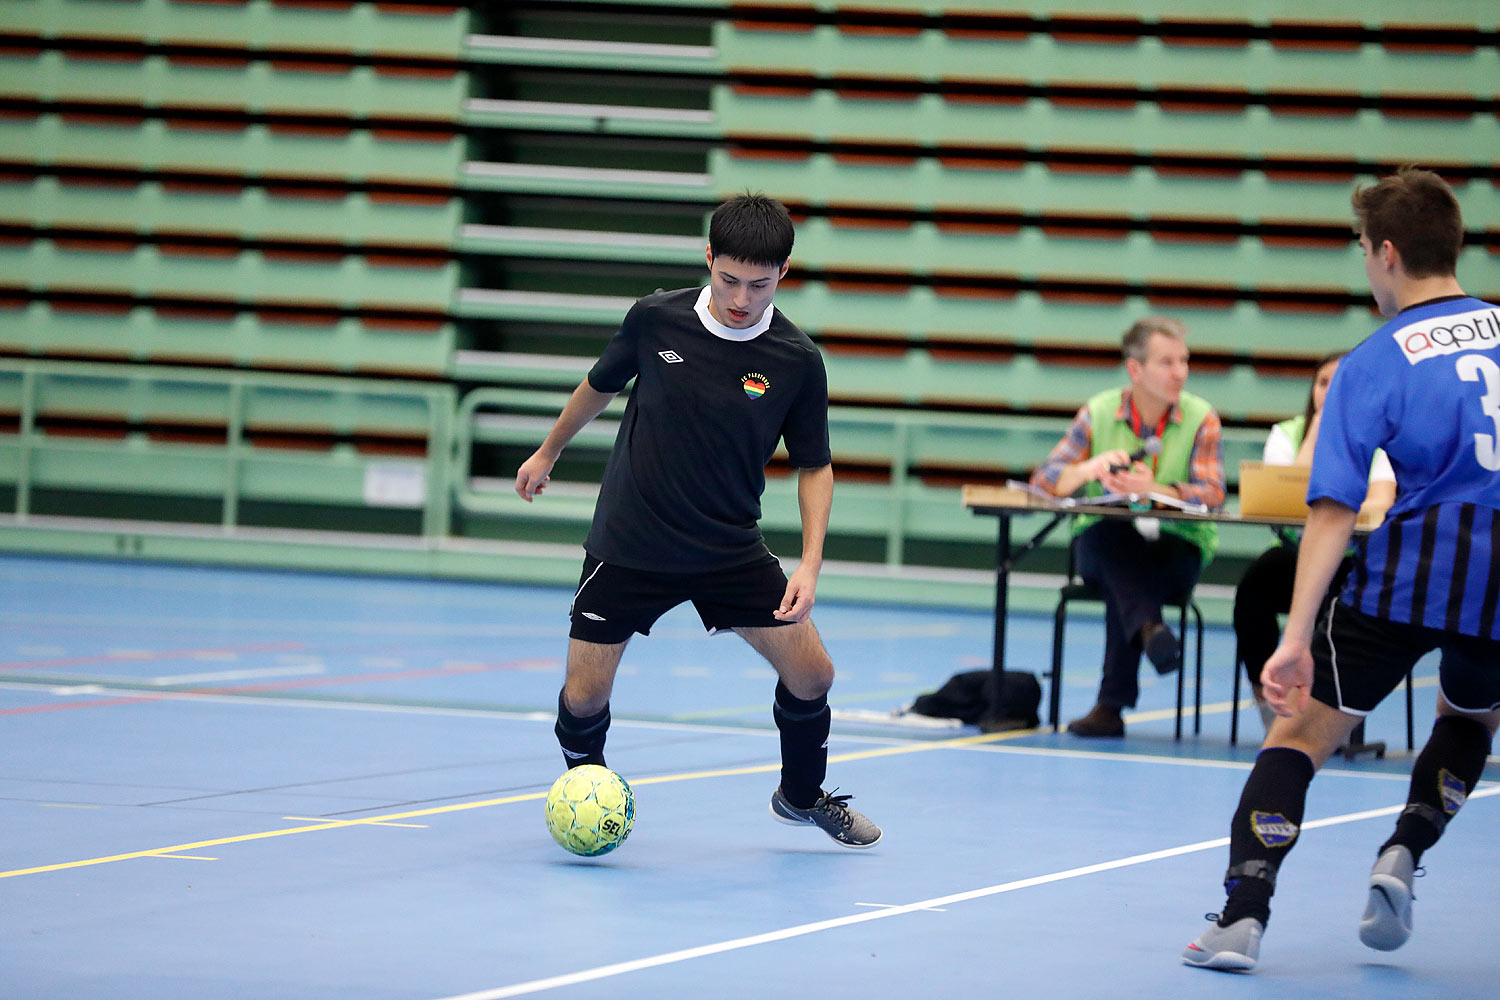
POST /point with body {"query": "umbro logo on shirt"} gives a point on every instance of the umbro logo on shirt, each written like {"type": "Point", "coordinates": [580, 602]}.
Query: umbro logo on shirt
{"type": "Point", "coordinates": [590, 615]}
{"type": "Point", "coordinates": [670, 357]}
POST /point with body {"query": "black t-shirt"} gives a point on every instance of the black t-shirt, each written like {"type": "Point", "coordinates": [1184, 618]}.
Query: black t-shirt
{"type": "Point", "coordinates": [681, 492]}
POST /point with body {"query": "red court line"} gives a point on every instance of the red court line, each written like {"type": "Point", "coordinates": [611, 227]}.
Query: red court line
{"type": "Point", "coordinates": [92, 703]}
{"type": "Point", "coordinates": [389, 675]}
{"type": "Point", "coordinates": [148, 656]}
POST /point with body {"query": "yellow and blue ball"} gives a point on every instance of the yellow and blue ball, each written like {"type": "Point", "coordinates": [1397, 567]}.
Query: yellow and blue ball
{"type": "Point", "coordinates": [590, 810]}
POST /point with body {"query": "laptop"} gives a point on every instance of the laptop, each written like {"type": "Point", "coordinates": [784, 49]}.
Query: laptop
{"type": "Point", "coordinates": [1273, 490]}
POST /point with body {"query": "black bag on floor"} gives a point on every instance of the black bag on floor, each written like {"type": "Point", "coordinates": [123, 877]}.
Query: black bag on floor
{"type": "Point", "coordinates": [968, 698]}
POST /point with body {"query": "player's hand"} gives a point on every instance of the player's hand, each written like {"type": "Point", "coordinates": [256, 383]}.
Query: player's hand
{"type": "Point", "coordinates": [532, 476]}
{"type": "Point", "coordinates": [1287, 678]}
{"type": "Point", "coordinates": [797, 602]}
{"type": "Point", "coordinates": [1099, 466]}
{"type": "Point", "coordinates": [1136, 479]}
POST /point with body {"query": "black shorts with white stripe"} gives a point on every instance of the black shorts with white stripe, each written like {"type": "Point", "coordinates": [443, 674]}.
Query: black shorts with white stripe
{"type": "Point", "coordinates": [613, 602]}
{"type": "Point", "coordinates": [1358, 659]}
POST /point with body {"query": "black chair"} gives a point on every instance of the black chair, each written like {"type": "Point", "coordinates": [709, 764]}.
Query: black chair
{"type": "Point", "coordinates": [1076, 590]}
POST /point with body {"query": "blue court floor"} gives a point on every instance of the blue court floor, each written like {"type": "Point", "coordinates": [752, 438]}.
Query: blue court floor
{"type": "Point", "coordinates": [242, 784]}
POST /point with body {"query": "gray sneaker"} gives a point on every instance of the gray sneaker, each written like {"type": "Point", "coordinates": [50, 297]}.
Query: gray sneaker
{"type": "Point", "coordinates": [832, 815]}
{"type": "Point", "coordinates": [1235, 948]}
{"type": "Point", "coordinates": [1387, 921]}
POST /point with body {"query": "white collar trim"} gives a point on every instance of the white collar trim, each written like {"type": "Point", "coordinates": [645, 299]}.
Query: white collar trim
{"type": "Point", "coordinates": [723, 332]}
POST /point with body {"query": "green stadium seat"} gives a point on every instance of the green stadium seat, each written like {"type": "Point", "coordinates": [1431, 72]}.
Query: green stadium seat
{"type": "Point", "coordinates": [167, 432]}
{"type": "Point", "coordinates": [360, 28]}
{"type": "Point", "coordinates": [926, 120]}
{"type": "Point", "coordinates": [933, 54]}
{"type": "Point", "coordinates": [236, 83]}
{"type": "Point", "coordinates": [610, 182]}
{"type": "Point", "coordinates": [254, 150]}
{"type": "Point", "coordinates": [587, 53]}
{"type": "Point", "coordinates": [580, 244]}
{"type": "Point", "coordinates": [222, 336]}
{"type": "Point", "coordinates": [565, 116]}
{"type": "Point", "coordinates": [926, 180]}
{"type": "Point", "coordinates": [251, 276]}
{"type": "Point", "coordinates": [240, 209]}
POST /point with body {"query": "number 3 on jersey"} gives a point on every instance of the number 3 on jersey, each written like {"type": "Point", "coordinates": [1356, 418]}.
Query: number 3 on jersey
{"type": "Point", "coordinates": [1470, 368]}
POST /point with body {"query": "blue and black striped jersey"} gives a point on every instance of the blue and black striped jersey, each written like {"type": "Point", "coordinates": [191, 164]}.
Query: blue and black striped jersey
{"type": "Point", "coordinates": [1425, 387]}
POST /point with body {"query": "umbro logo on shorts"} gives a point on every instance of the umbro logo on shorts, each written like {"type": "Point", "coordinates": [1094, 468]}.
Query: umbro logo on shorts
{"type": "Point", "coordinates": [593, 617]}
{"type": "Point", "coordinates": [670, 357]}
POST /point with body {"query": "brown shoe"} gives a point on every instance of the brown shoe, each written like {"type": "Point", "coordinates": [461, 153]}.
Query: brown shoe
{"type": "Point", "coordinates": [1102, 720]}
{"type": "Point", "coordinates": [1161, 647]}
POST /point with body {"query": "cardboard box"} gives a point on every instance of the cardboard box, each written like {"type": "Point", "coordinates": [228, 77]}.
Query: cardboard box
{"type": "Point", "coordinates": [1273, 490]}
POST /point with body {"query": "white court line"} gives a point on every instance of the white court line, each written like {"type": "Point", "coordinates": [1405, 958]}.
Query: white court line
{"type": "Point", "coordinates": [548, 717]}
{"type": "Point", "coordinates": [235, 675]}
{"type": "Point", "coordinates": [1148, 758]}
{"type": "Point", "coordinates": [702, 951]}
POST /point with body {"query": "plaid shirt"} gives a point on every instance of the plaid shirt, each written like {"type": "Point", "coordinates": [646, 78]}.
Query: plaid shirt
{"type": "Point", "coordinates": [1205, 483]}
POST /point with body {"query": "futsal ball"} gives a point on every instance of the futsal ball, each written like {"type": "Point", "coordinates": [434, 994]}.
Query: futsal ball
{"type": "Point", "coordinates": [590, 810]}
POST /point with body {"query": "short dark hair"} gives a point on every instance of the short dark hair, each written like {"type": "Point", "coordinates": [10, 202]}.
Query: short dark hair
{"type": "Point", "coordinates": [753, 228]}
{"type": "Point", "coordinates": [1415, 209]}
{"type": "Point", "coordinates": [1139, 334]}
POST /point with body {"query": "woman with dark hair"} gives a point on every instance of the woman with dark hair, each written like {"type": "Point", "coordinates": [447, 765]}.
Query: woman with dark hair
{"type": "Point", "coordinates": [1266, 588]}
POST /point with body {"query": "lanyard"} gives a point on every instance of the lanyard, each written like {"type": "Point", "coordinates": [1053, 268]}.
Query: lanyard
{"type": "Point", "coordinates": [1137, 428]}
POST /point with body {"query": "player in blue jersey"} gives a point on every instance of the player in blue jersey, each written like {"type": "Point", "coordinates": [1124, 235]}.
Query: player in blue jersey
{"type": "Point", "coordinates": [1425, 387]}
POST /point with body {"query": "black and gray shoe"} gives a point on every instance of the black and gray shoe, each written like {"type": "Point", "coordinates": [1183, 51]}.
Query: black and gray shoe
{"type": "Point", "coordinates": [832, 815]}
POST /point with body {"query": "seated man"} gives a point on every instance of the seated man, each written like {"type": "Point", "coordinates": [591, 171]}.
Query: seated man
{"type": "Point", "coordinates": [1140, 564]}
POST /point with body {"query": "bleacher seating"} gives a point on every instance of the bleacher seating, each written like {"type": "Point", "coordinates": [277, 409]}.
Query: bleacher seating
{"type": "Point", "coordinates": [473, 195]}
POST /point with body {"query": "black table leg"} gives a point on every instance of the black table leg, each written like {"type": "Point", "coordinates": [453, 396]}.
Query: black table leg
{"type": "Point", "coordinates": [1002, 607]}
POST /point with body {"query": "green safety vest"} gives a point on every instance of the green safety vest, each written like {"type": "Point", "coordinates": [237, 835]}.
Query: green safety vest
{"type": "Point", "coordinates": [1172, 465]}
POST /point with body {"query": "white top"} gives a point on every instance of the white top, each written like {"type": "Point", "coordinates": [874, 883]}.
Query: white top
{"type": "Point", "coordinates": [1281, 450]}
{"type": "Point", "coordinates": [723, 332]}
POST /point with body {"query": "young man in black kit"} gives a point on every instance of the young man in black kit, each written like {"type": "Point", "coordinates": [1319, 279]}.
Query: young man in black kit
{"type": "Point", "coordinates": [720, 377]}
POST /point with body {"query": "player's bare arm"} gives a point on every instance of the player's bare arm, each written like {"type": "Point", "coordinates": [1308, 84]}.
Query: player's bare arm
{"type": "Point", "coordinates": [815, 503]}
{"type": "Point", "coordinates": [584, 405]}
{"type": "Point", "coordinates": [1086, 471]}
{"type": "Point", "coordinates": [1287, 677]}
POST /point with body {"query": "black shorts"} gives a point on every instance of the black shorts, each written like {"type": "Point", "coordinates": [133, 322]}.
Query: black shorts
{"type": "Point", "coordinates": [613, 602]}
{"type": "Point", "coordinates": [1358, 659]}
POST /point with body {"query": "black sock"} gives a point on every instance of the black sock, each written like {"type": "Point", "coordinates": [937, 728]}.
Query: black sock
{"type": "Point", "coordinates": [1446, 771]}
{"type": "Point", "coordinates": [582, 740]}
{"type": "Point", "coordinates": [804, 745]}
{"type": "Point", "coordinates": [1265, 828]}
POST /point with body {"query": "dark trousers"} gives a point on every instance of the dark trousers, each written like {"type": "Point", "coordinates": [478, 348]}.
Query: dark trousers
{"type": "Point", "coordinates": [1137, 577]}
{"type": "Point", "coordinates": [1264, 592]}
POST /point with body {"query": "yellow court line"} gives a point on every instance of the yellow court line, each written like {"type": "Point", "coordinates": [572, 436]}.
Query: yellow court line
{"type": "Point", "coordinates": [393, 818]}
{"type": "Point", "coordinates": [390, 820]}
